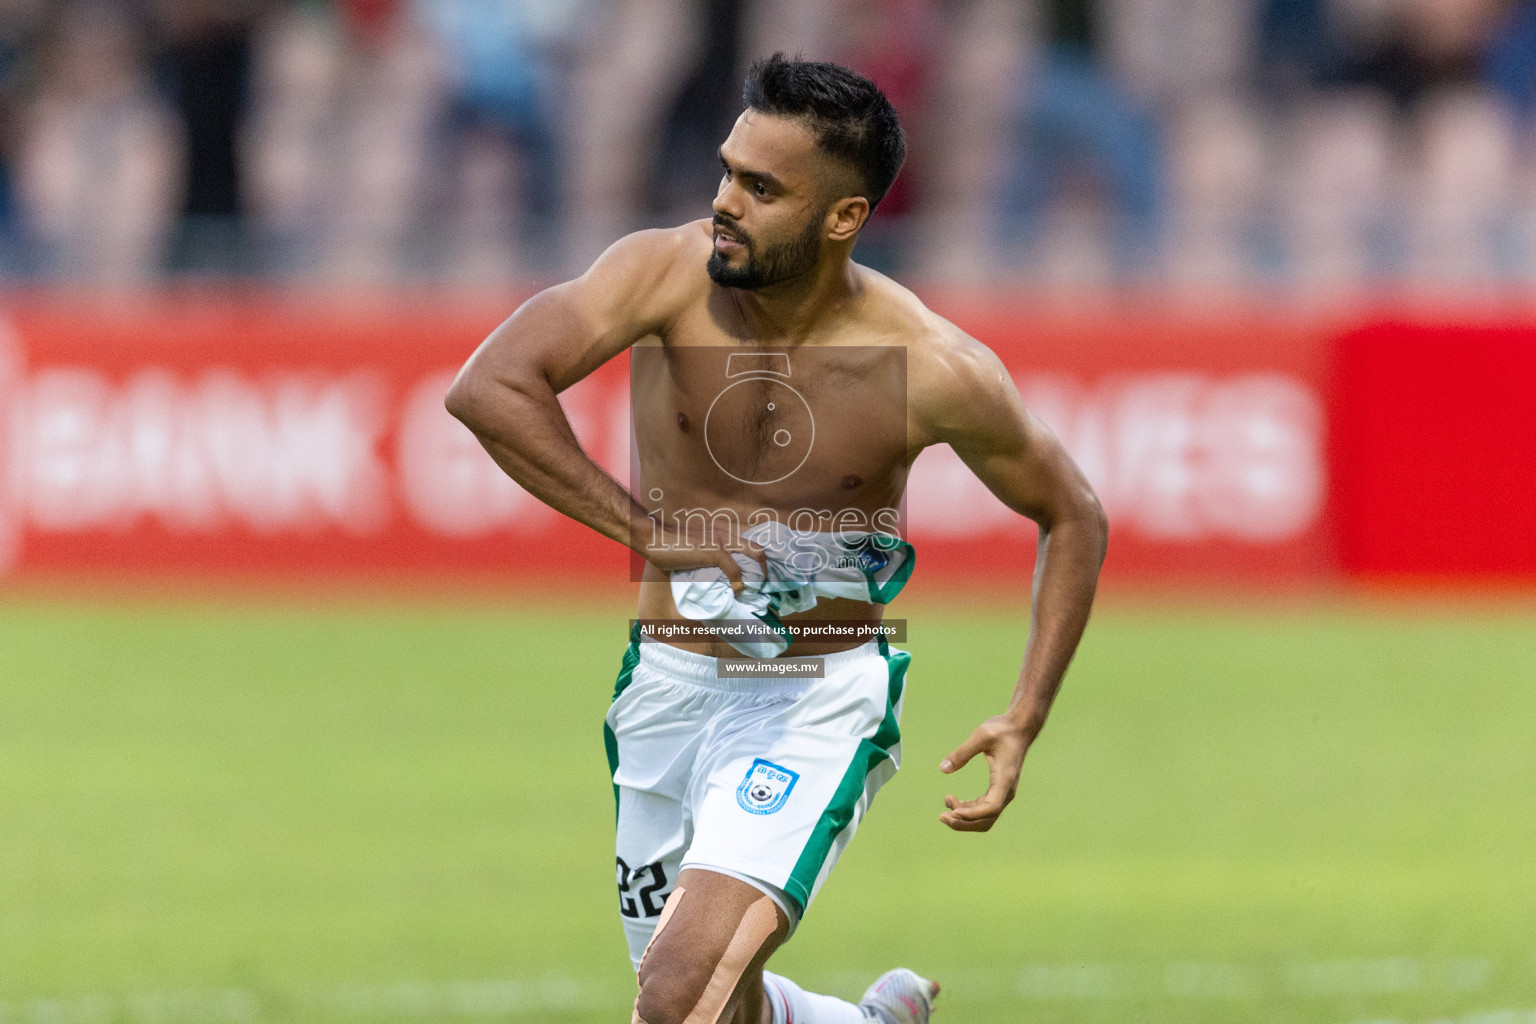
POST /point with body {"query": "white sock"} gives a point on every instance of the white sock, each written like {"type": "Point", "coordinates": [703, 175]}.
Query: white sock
{"type": "Point", "coordinates": [793, 1005]}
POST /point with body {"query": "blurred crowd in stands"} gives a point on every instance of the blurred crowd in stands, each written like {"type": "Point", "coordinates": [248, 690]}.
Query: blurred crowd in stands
{"type": "Point", "coordinates": [1199, 143]}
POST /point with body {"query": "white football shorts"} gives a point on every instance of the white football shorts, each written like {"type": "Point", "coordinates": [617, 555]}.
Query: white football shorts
{"type": "Point", "coordinates": [761, 778]}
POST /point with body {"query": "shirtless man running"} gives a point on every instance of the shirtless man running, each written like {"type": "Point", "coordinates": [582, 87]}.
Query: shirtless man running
{"type": "Point", "coordinates": [736, 795]}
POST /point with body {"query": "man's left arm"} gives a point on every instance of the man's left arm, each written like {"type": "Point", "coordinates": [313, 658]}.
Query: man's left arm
{"type": "Point", "coordinates": [969, 402]}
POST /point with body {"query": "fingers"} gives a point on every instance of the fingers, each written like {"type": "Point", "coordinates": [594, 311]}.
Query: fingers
{"type": "Point", "coordinates": [990, 804]}
{"type": "Point", "coordinates": [975, 744]}
{"type": "Point", "coordinates": [731, 569]}
{"type": "Point", "coordinates": [756, 552]}
{"type": "Point", "coordinates": [967, 825]}
{"type": "Point", "coordinates": [1002, 781]}
{"type": "Point", "coordinates": [975, 815]}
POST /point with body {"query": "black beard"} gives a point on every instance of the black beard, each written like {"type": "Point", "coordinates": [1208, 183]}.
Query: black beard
{"type": "Point", "coordinates": [779, 263]}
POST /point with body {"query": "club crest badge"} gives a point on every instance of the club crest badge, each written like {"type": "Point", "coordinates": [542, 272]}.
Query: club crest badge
{"type": "Point", "coordinates": [766, 787]}
{"type": "Point", "coordinates": [865, 554]}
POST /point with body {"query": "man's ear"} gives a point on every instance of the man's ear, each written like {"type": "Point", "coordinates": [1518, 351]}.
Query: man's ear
{"type": "Point", "coordinates": [845, 217]}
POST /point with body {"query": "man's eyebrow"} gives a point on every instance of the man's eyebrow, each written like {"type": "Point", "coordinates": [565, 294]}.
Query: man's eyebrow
{"type": "Point", "coordinates": [742, 172]}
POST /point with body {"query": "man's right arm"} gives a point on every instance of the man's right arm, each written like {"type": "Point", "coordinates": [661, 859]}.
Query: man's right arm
{"type": "Point", "coordinates": [506, 392]}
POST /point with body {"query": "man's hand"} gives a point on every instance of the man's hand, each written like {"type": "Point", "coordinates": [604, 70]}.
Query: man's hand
{"type": "Point", "coordinates": [672, 554]}
{"type": "Point", "coordinates": [1005, 745]}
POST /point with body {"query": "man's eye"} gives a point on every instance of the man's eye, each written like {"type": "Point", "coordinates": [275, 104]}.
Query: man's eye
{"type": "Point", "coordinates": [760, 189]}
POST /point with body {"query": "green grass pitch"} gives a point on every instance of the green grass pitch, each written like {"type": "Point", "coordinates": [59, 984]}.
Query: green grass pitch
{"type": "Point", "coordinates": [232, 813]}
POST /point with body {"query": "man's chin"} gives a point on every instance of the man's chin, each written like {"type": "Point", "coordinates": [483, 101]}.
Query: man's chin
{"type": "Point", "coordinates": [726, 276]}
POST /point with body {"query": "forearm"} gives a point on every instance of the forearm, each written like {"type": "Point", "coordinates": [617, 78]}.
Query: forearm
{"type": "Point", "coordinates": [1067, 564]}
{"type": "Point", "coordinates": [523, 428]}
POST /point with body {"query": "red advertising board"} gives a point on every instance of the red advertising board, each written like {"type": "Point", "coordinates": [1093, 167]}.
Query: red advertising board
{"type": "Point", "coordinates": [1435, 449]}
{"type": "Point", "coordinates": [215, 436]}
{"type": "Point", "coordinates": [210, 436]}
{"type": "Point", "coordinates": [1204, 434]}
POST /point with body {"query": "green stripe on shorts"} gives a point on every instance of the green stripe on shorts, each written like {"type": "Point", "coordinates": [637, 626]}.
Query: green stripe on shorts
{"type": "Point", "coordinates": [626, 676]}
{"type": "Point", "coordinates": [870, 755]}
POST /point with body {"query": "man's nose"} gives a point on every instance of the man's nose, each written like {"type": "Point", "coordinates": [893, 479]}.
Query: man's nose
{"type": "Point", "coordinates": [728, 201]}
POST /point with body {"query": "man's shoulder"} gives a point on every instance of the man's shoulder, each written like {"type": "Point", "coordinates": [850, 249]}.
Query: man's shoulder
{"type": "Point", "coordinates": [660, 266]}
{"type": "Point", "coordinates": [664, 247]}
{"type": "Point", "coordinates": [938, 352]}
{"type": "Point", "coordinates": [949, 374]}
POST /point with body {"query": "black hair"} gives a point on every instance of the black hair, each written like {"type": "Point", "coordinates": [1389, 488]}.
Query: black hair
{"type": "Point", "coordinates": [849, 115]}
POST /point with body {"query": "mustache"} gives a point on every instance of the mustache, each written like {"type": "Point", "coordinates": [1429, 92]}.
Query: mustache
{"type": "Point", "coordinates": [733, 230]}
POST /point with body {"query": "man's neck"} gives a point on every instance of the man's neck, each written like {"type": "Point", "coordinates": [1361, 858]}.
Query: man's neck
{"type": "Point", "coordinates": [793, 311]}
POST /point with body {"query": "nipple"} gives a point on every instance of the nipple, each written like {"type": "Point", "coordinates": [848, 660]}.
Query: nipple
{"type": "Point", "coordinates": [682, 422]}
{"type": "Point", "coordinates": [851, 481]}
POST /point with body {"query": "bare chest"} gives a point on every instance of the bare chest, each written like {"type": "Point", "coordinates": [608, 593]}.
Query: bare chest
{"type": "Point", "coordinates": [815, 428]}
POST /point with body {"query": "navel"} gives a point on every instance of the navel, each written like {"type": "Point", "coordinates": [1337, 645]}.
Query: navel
{"type": "Point", "coordinates": [682, 422]}
{"type": "Point", "coordinates": [851, 481]}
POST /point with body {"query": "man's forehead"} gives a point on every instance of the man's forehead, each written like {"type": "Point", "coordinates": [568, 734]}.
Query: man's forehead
{"type": "Point", "coordinates": [782, 146]}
